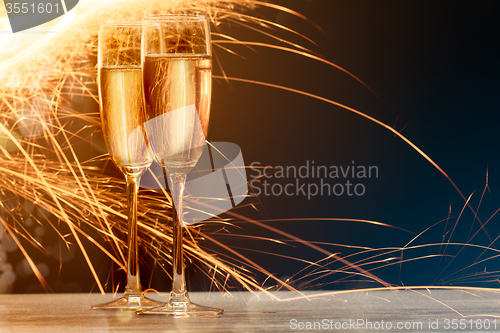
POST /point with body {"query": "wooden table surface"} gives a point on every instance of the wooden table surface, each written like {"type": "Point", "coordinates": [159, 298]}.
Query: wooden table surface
{"type": "Point", "coordinates": [476, 310]}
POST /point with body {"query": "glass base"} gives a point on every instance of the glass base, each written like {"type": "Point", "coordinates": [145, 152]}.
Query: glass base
{"type": "Point", "coordinates": [182, 309]}
{"type": "Point", "coordinates": [129, 303]}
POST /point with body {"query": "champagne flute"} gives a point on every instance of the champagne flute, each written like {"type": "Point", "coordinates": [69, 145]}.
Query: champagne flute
{"type": "Point", "coordinates": [122, 115]}
{"type": "Point", "coordinates": [177, 82]}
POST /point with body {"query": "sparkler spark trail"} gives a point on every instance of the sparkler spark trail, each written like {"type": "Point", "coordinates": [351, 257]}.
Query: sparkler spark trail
{"type": "Point", "coordinates": [46, 128]}
{"type": "Point", "coordinates": [43, 131]}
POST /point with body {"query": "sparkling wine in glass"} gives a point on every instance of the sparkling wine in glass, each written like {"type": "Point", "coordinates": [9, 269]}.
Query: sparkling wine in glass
{"type": "Point", "coordinates": [122, 116]}
{"type": "Point", "coordinates": [177, 80]}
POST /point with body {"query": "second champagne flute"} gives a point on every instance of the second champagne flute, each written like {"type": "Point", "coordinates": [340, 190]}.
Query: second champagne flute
{"type": "Point", "coordinates": [177, 79]}
{"type": "Point", "coordinates": [122, 116]}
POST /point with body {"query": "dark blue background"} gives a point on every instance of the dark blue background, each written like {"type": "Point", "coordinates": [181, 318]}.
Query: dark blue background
{"type": "Point", "coordinates": [434, 67]}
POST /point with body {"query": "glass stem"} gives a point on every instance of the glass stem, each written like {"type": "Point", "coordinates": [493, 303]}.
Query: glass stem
{"type": "Point", "coordinates": [179, 293]}
{"type": "Point", "coordinates": [133, 280]}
